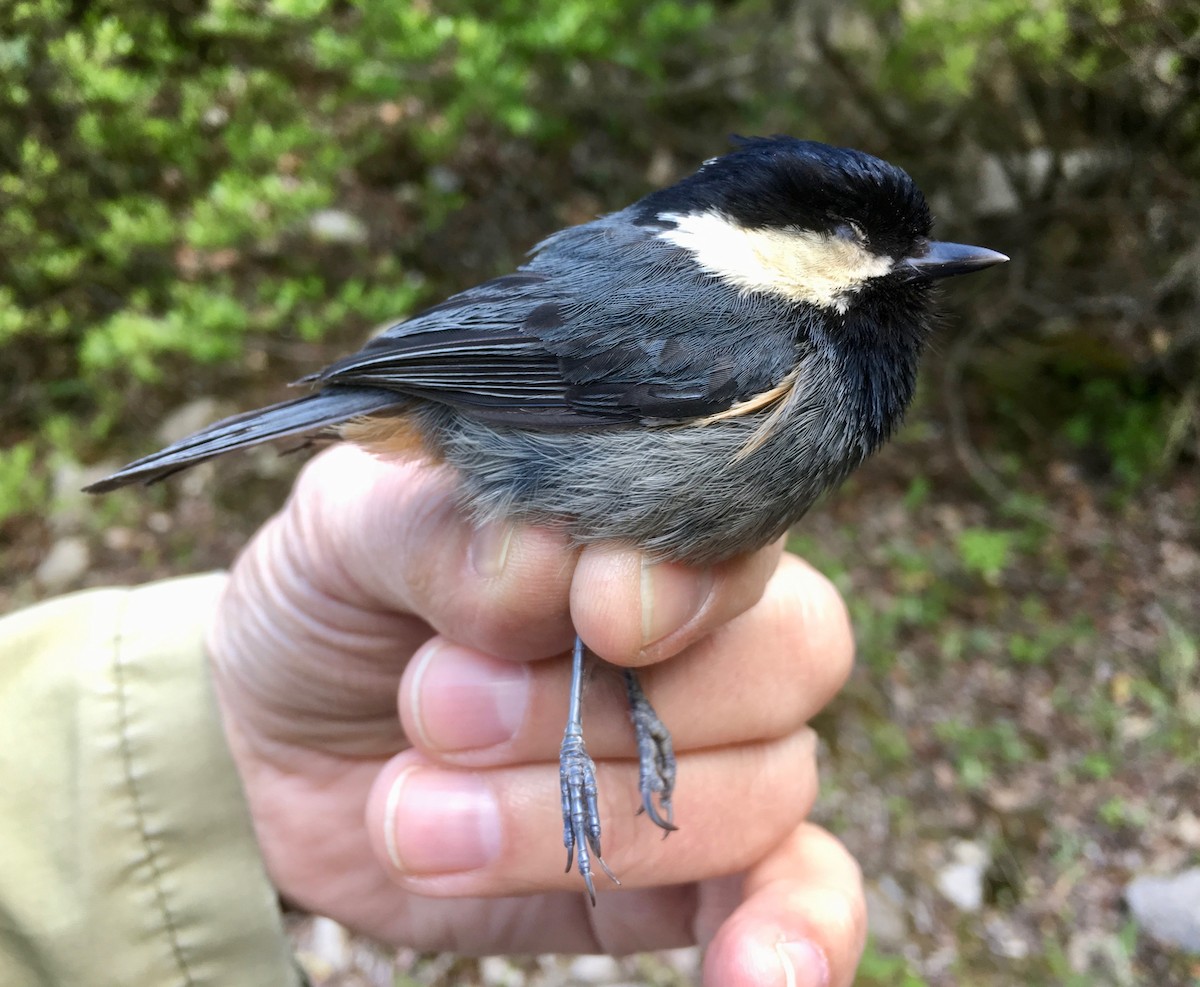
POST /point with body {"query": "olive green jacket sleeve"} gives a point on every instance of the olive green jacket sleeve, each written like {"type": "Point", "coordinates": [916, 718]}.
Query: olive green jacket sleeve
{"type": "Point", "coordinates": [127, 855]}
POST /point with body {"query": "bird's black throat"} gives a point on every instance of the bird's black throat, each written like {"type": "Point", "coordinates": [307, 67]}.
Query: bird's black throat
{"type": "Point", "coordinates": [878, 348]}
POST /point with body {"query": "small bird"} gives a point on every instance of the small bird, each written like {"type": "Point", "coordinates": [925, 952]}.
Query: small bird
{"type": "Point", "coordinates": [685, 376]}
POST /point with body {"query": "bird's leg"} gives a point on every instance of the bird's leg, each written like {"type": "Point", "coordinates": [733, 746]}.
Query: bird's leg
{"type": "Point", "coordinates": [577, 779]}
{"type": "Point", "coordinates": [656, 755]}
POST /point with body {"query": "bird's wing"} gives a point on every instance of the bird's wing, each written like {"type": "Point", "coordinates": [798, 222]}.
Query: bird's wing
{"type": "Point", "coordinates": [606, 325]}
{"type": "Point", "coordinates": [476, 351]}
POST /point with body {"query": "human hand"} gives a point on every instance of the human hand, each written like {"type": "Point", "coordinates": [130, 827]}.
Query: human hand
{"type": "Point", "coordinates": [370, 589]}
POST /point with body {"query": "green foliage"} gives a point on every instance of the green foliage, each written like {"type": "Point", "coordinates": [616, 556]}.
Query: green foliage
{"type": "Point", "coordinates": [22, 488]}
{"type": "Point", "coordinates": [160, 158]}
{"type": "Point", "coordinates": [979, 750]}
{"type": "Point", "coordinates": [496, 62]}
{"type": "Point", "coordinates": [938, 49]}
{"type": "Point", "coordinates": [1096, 765]}
{"type": "Point", "coordinates": [1131, 429]}
{"type": "Point", "coordinates": [161, 162]}
{"type": "Point", "coordinates": [1119, 812]}
{"type": "Point", "coordinates": [1168, 693]}
{"type": "Point", "coordinates": [985, 552]}
{"type": "Point", "coordinates": [944, 51]}
{"type": "Point", "coordinates": [1180, 661]}
{"type": "Point", "coordinates": [879, 969]}
{"type": "Point", "coordinates": [890, 745]}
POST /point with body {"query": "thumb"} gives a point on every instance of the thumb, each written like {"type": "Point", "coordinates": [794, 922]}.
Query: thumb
{"type": "Point", "coordinates": [802, 922]}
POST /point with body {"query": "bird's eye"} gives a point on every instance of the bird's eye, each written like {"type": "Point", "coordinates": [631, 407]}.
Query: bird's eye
{"type": "Point", "coordinates": [849, 231]}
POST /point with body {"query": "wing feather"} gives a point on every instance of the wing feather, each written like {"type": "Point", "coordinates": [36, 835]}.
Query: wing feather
{"type": "Point", "coordinates": [607, 324]}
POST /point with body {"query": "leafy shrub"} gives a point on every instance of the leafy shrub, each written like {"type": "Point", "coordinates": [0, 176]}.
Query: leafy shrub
{"type": "Point", "coordinates": [164, 161]}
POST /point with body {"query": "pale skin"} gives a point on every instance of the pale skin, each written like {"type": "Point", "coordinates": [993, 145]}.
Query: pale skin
{"type": "Point", "coordinates": [379, 665]}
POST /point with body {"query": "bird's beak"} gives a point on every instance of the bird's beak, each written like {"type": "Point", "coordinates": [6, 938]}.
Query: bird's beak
{"type": "Point", "coordinates": [941, 260]}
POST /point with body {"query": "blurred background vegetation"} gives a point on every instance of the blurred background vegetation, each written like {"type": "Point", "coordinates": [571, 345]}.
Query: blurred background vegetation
{"type": "Point", "coordinates": [202, 200]}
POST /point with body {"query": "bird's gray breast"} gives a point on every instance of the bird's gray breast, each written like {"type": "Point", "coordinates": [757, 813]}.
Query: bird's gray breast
{"type": "Point", "coordinates": [696, 492]}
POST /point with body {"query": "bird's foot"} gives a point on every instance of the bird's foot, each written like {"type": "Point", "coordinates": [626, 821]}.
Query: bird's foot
{"type": "Point", "coordinates": [581, 816]}
{"type": "Point", "coordinates": [656, 757]}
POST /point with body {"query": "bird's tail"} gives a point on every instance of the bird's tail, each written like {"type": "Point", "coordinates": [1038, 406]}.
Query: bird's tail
{"type": "Point", "coordinates": [300, 416]}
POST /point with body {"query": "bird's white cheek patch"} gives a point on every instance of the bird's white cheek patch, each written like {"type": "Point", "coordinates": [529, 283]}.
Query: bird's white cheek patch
{"type": "Point", "coordinates": [801, 265]}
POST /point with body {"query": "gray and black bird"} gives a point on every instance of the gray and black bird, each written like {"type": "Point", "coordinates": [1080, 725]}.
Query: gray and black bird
{"type": "Point", "coordinates": [685, 376]}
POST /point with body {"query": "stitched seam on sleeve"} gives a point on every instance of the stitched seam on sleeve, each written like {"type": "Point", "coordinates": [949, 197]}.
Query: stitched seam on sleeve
{"type": "Point", "coordinates": [148, 844]}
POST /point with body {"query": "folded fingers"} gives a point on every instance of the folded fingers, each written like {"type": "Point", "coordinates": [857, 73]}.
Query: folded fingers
{"type": "Point", "coordinates": [761, 676]}
{"type": "Point", "coordinates": [441, 831]}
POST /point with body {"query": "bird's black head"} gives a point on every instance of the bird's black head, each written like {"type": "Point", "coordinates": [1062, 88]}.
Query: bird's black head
{"type": "Point", "coordinates": [780, 183]}
{"type": "Point", "coordinates": [805, 220]}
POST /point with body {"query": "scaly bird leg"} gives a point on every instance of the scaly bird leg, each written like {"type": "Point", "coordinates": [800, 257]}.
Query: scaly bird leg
{"type": "Point", "coordinates": [656, 756]}
{"type": "Point", "coordinates": [577, 780]}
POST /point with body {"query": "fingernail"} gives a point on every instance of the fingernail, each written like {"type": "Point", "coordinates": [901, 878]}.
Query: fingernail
{"type": "Point", "coordinates": [671, 596]}
{"type": "Point", "coordinates": [804, 964]}
{"type": "Point", "coordinates": [489, 547]}
{"type": "Point", "coordinates": [441, 822]}
{"type": "Point", "coordinates": [463, 700]}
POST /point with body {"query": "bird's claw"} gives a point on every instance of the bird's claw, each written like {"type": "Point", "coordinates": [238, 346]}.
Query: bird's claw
{"type": "Point", "coordinates": [581, 815]}
{"type": "Point", "coordinates": [656, 757]}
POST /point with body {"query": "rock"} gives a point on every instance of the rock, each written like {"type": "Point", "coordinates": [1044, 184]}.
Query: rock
{"type": "Point", "coordinates": [685, 961]}
{"type": "Point", "coordinates": [67, 560]}
{"type": "Point", "coordinates": [496, 971]}
{"type": "Point", "coordinates": [322, 949]}
{"type": "Point", "coordinates": [337, 226]}
{"type": "Point", "coordinates": [1102, 958]}
{"type": "Point", "coordinates": [887, 913]}
{"type": "Point", "coordinates": [119, 539]}
{"type": "Point", "coordinates": [71, 507]}
{"type": "Point", "coordinates": [1032, 171]}
{"type": "Point", "coordinates": [160, 522]}
{"type": "Point", "coordinates": [1187, 828]}
{"type": "Point", "coordinates": [997, 197]}
{"type": "Point", "coordinates": [595, 970]}
{"type": "Point", "coordinates": [1168, 907]}
{"type": "Point", "coordinates": [1006, 938]}
{"type": "Point", "coordinates": [444, 179]}
{"type": "Point", "coordinates": [662, 168]}
{"type": "Point", "coordinates": [331, 942]}
{"type": "Point", "coordinates": [961, 880]}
